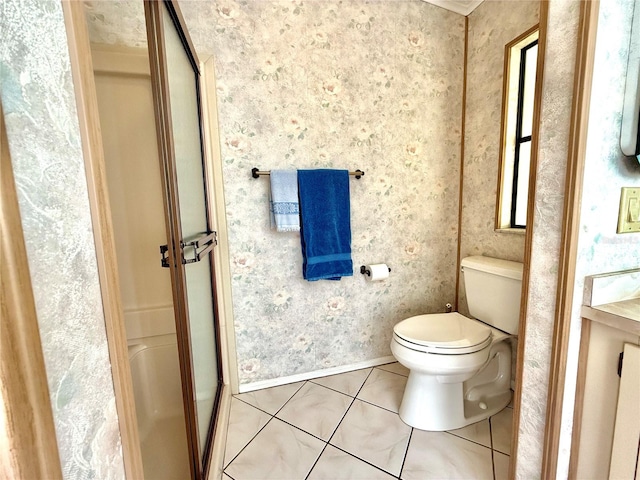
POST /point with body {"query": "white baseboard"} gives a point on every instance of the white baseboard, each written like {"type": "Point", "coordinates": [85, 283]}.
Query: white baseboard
{"type": "Point", "coordinates": [276, 382]}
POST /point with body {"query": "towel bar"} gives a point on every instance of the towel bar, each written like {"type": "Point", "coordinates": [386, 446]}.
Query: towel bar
{"type": "Point", "coordinates": [256, 172]}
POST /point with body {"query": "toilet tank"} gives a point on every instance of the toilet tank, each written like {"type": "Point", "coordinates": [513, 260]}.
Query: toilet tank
{"type": "Point", "coordinates": [493, 289]}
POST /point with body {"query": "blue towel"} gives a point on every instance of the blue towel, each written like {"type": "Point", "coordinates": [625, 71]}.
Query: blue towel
{"type": "Point", "coordinates": [285, 210]}
{"type": "Point", "coordinates": [325, 215]}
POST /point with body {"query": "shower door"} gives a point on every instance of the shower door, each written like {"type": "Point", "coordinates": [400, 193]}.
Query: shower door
{"type": "Point", "coordinates": [176, 87]}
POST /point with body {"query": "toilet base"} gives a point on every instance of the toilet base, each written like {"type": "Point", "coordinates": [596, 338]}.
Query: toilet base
{"type": "Point", "coordinates": [437, 407]}
{"type": "Point", "coordinates": [438, 403]}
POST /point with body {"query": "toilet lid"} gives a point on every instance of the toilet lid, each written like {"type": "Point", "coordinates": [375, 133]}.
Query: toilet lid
{"type": "Point", "coordinates": [444, 331]}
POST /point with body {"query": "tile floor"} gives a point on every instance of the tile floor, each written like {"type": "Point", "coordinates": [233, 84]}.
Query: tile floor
{"type": "Point", "coordinates": [346, 427]}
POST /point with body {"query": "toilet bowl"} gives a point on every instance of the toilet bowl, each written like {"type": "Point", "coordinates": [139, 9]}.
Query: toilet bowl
{"type": "Point", "coordinates": [460, 367]}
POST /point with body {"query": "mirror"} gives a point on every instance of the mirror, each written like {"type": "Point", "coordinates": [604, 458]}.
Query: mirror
{"type": "Point", "coordinates": [630, 133]}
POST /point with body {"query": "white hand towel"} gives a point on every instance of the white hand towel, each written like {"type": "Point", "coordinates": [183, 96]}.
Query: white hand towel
{"type": "Point", "coordinates": [285, 209]}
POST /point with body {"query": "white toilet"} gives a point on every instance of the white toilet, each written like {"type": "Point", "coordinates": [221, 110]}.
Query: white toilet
{"type": "Point", "coordinates": [460, 368]}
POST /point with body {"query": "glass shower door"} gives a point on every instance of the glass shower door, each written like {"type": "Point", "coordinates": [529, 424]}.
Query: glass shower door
{"type": "Point", "coordinates": [192, 240]}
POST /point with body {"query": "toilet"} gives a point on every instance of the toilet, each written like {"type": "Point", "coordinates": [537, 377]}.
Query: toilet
{"type": "Point", "coordinates": [460, 367]}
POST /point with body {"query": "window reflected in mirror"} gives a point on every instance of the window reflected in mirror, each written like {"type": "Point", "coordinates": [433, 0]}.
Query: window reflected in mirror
{"type": "Point", "coordinates": [521, 56]}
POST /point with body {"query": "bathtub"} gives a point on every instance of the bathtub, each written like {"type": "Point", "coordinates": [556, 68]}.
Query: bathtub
{"type": "Point", "coordinates": [155, 373]}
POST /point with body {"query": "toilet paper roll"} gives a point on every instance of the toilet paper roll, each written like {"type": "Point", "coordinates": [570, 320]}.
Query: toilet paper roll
{"type": "Point", "coordinates": [379, 271]}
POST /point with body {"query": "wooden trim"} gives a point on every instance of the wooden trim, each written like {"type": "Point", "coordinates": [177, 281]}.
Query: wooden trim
{"type": "Point", "coordinates": [28, 445]}
{"type": "Point", "coordinates": [503, 118]}
{"type": "Point", "coordinates": [218, 212]}
{"type": "Point", "coordinates": [526, 274]}
{"type": "Point", "coordinates": [215, 466]}
{"type": "Point", "coordinates": [463, 127]}
{"type": "Point", "coordinates": [570, 230]}
{"type": "Point", "coordinates": [583, 356]}
{"type": "Point", "coordinates": [93, 153]}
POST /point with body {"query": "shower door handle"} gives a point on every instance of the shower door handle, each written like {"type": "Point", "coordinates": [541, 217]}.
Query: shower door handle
{"type": "Point", "coordinates": [163, 251]}
{"type": "Point", "coordinates": [205, 243]}
{"type": "Point", "coordinates": [201, 247]}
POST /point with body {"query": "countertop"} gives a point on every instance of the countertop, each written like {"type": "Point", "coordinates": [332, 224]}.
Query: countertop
{"type": "Point", "coordinates": [624, 315]}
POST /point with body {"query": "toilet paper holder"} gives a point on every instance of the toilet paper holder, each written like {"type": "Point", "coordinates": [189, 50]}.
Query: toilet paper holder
{"type": "Point", "coordinates": [365, 271]}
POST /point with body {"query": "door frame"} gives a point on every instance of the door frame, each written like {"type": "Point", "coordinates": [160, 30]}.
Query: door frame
{"type": "Point", "coordinates": [93, 154]}
{"type": "Point", "coordinates": [584, 67]}
{"type": "Point", "coordinates": [583, 77]}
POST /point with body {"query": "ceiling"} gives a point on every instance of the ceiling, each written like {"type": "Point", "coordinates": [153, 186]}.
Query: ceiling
{"type": "Point", "coordinates": [463, 7]}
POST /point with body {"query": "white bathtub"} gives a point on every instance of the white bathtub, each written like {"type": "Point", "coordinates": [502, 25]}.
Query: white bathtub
{"type": "Point", "coordinates": [155, 373]}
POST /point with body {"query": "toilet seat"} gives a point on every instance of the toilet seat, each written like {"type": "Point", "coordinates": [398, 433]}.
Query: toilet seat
{"type": "Point", "coordinates": [442, 333]}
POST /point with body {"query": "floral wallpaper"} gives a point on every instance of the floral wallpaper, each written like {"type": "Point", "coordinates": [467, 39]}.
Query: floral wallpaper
{"type": "Point", "coordinates": [331, 84]}
{"type": "Point", "coordinates": [44, 140]}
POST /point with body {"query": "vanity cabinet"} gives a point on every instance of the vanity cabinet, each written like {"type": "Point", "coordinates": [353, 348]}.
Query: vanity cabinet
{"type": "Point", "coordinates": [626, 433]}
{"type": "Point", "coordinates": [606, 430]}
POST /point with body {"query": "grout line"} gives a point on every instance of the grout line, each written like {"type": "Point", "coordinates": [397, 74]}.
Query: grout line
{"type": "Point", "coordinates": [257, 408]}
{"type": "Point", "coordinates": [340, 422]}
{"type": "Point", "coordinates": [301, 429]}
{"type": "Point", "coordinates": [333, 389]}
{"type": "Point", "coordinates": [365, 461]}
{"type": "Point", "coordinates": [394, 373]}
{"type": "Point", "coordinates": [365, 381]}
{"type": "Point", "coordinates": [316, 462]}
{"type": "Point", "coordinates": [383, 408]}
{"type": "Point", "coordinates": [245, 445]}
{"type": "Point", "coordinates": [406, 452]}
{"type": "Point", "coordinates": [265, 425]}
{"type": "Point", "coordinates": [293, 395]}
{"type": "Point", "coordinates": [493, 461]}
{"type": "Point", "coordinates": [469, 440]}
{"type": "Point", "coordinates": [350, 405]}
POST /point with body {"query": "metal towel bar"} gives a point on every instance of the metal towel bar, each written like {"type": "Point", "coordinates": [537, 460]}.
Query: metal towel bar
{"type": "Point", "coordinates": [256, 172]}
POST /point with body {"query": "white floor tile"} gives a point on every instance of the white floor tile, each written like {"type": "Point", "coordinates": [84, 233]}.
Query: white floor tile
{"type": "Point", "coordinates": [244, 422]}
{"type": "Point", "coordinates": [395, 368]}
{"type": "Point", "coordinates": [440, 455]}
{"type": "Point", "coordinates": [272, 399]}
{"type": "Point", "coordinates": [278, 452]}
{"type": "Point", "coordinates": [501, 430]}
{"type": "Point", "coordinates": [384, 389]}
{"type": "Point", "coordinates": [501, 466]}
{"type": "Point", "coordinates": [369, 435]}
{"type": "Point", "coordinates": [478, 432]}
{"type": "Point", "coordinates": [316, 410]}
{"type": "Point", "coordinates": [335, 464]}
{"type": "Point", "coordinates": [375, 435]}
{"type": "Point", "coordinates": [348, 383]}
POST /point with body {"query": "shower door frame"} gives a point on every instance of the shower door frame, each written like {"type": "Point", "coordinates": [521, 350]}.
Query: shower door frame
{"type": "Point", "coordinates": [166, 147]}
